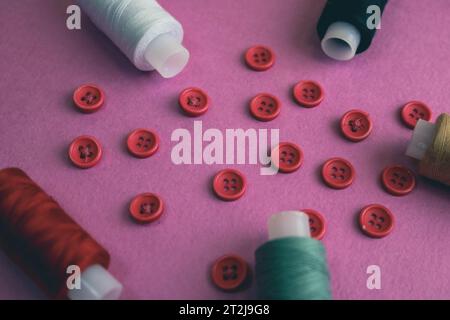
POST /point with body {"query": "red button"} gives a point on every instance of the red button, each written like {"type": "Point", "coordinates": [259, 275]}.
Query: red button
{"type": "Point", "coordinates": [308, 93]}
{"type": "Point", "coordinates": [290, 157]}
{"type": "Point", "coordinates": [230, 272]}
{"type": "Point", "coordinates": [376, 221]}
{"type": "Point", "coordinates": [142, 143]}
{"type": "Point", "coordinates": [88, 98]}
{"type": "Point", "coordinates": [229, 184]}
{"type": "Point", "coordinates": [413, 111]}
{"type": "Point", "coordinates": [317, 224]}
{"type": "Point", "coordinates": [260, 58]}
{"type": "Point", "coordinates": [146, 208]}
{"type": "Point", "coordinates": [265, 107]}
{"type": "Point", "coordinates": [338, 173]}
{"type": "Point", "coordinates": [85, 152]}
{"type": "Point", "coordinates": [356, 125]}
{"type": "Point", "coordinates": [194, 101]}
{"type": "Point", "coordinates": [398, 180]}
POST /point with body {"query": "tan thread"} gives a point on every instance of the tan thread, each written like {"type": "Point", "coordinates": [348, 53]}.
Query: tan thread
{"type": "Point", "coordinates": [436, 162]}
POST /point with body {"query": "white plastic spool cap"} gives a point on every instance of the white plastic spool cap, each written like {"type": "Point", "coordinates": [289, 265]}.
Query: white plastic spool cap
{"type": "Point", "coordinates": [289, 224]}
{"type": "Point", "coordinates": [422, 138]}
{"type": "Point", "coordinates": [167, 55]}
{"type": "Point", "coordinates": [341, 41]}
{"type": "Point", "coordinates": [96, 284]}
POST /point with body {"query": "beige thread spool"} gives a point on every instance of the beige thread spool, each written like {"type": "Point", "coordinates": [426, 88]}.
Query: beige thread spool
{"type": "Point", "coordinates": [431, 145]}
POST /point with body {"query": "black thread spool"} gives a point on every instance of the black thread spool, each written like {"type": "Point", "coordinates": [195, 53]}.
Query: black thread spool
{"type": "Point", "coordinates": [343, 28]}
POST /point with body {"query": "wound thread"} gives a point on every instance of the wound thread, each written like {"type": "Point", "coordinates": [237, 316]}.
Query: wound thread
{"type": "Point", "coordinates": [292, 268]}
{"type": "Point", "coordinates": [436, 162]}
{"type": "Point", "coordinates": [38, 235]}
{"type": "Point", "coordinates": [353, 12]}
{"type": "Point", "coordinates": [132, 25]}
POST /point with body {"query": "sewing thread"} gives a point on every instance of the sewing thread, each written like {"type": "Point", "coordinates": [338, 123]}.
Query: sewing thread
{"type": "Point", "coordinates": [132, 25]}
{"type": "Point", "coordinates": [436, 162]}
{"type": "Point", "coordinates": [39, 236]}
{"type": "Point", "coordinates": [292, 268]}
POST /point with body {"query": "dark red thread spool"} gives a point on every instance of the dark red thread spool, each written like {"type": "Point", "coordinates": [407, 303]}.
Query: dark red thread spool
{"type": "Point", "coordinates": [39, 235]}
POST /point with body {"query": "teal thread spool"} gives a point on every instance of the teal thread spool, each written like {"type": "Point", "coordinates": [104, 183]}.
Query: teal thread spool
{"type": "Point", "coordinates": [291, 265]}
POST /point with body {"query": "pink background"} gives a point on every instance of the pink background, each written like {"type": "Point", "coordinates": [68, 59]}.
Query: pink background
{"type": "Point", "coordinates": [42, 63]}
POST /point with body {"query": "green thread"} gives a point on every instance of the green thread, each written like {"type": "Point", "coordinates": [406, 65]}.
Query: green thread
{"type": "Point", "coordinates": [292, 268]}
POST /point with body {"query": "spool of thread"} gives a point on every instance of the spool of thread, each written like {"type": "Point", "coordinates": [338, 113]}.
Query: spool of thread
{"type": "Point", "coordinates": [430, 145]}
{"type": "Point", "coordinates": [291, 265]}
{"type": "Point", "coordinates": [39, 236]}
{"type": "Point", "coordinates": [146, 33]}
{"type": "Point", "coordinates": [343, 29]}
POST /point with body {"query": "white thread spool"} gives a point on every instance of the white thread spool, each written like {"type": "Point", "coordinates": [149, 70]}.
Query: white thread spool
{"type": "Point", "coordinates": [148, 35]}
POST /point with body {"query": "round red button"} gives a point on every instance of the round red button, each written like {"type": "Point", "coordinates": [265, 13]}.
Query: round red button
{"type": "Point", "coordinates": [338, 173]}
{"type": "Point", "coordinates": [398, 180]}
{"type": "Point", "coordinates": [317, 224]}
{"type": "Point", "coordinates": [260, 58]}
{"type": "Point", "coordinates": [356, 125]}
{"type": "Point", "coordinates": [229, 184]}
{"type": "Point", "coordinates": [230, 272]}
{"type": "Point", "coordinates": [308, 93]}
{"type": "Point", "coordinates": [142, 143]}
{"type": "Point", "coordinates": [413, 111]}
{"type": "Point", "coordinates": [193, 101]}
{"type": "Point", "coordinates": [265, 107]}
{"type": "Point", "coordinates": [85, 152]}
{"type": "Point", "coordinates": [88, 98]}
{"type": "Point", "coordinates": [146, 208]}
{"type": "Point", "coordinates": [376, 221]}
{"type": "Point", "coordinates": [289, 159]}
